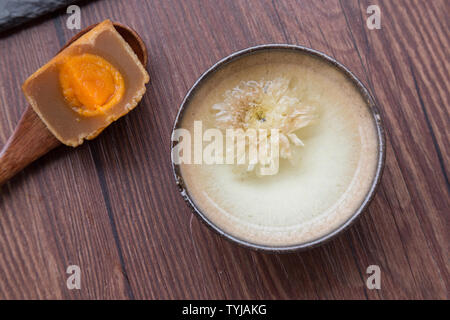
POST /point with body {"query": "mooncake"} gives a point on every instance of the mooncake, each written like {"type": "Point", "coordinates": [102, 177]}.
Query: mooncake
{"type": "Point", "coordinates": [87, 86]}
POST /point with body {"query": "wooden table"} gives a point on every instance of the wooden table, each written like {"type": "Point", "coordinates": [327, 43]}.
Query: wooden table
{"type": "Point", "coordinates": [111, 206]}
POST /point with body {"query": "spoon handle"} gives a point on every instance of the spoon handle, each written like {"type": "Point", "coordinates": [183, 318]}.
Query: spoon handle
{"type": "Point", "coordinates": [31, 139]}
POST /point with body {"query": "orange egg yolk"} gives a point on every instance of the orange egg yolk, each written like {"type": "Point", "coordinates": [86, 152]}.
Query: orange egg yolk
{"type": "Point", "coordinates": [90, 84]}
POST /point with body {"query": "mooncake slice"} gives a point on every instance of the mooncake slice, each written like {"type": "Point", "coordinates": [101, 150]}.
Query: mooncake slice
{"type": "Point", "coordinates": [88, 85]}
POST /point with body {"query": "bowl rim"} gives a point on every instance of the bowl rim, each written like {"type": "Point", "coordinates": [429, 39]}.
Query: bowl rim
{"type": "Point", "coordinates": [370, 104]}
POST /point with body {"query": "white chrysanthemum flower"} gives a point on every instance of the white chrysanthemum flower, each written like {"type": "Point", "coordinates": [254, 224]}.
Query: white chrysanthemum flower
{"type": "Point", "coordinates": [265, 105]}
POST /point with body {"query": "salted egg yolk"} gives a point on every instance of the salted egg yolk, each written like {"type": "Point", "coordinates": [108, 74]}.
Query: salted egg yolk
{"type": "Point", "coordinates": [90, 84]}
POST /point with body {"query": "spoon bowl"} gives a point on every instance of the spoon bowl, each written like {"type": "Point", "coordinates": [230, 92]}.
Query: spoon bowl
{"type": "Point", "coordinates": [130, 36]}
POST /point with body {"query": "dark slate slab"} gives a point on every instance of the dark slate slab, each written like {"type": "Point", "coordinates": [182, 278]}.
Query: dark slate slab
{"type": "Point", "coordinates": [16, 12]}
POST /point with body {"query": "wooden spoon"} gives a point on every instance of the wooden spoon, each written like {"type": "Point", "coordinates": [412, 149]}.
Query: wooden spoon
{"type": "Point", "coordinates": [31, 139]}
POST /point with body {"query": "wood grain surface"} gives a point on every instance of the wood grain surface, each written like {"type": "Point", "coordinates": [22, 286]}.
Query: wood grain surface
{"type": "Point", "coordinates": [111, 205]}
